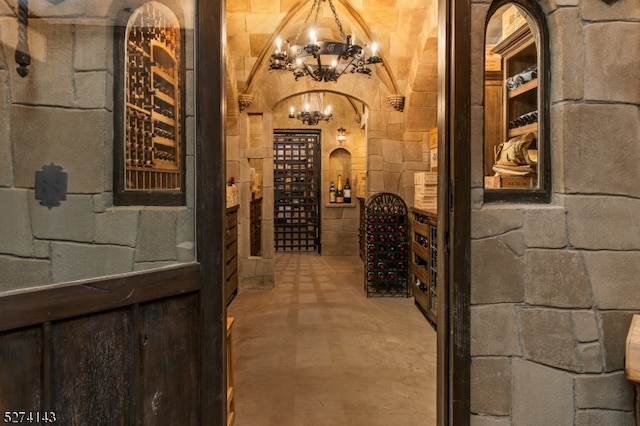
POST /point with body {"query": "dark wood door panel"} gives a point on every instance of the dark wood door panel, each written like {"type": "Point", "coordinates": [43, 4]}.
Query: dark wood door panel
{"type": "Point", "coordinates": [91, 369]}
{"type": "Point", "coordinates": [135, 364]}
{"type": "Point", "coordinates": [168, 367]}
{"type": "Point", "coordinates": [22, 308]}
{"type": "Point", "coordinates": [21, 370]}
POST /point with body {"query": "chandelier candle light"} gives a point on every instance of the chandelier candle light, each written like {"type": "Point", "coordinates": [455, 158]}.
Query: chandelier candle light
{"type": "Point", "coordinates": [323, 60]}
{"type": "Point", "coordinates": [309, 117]}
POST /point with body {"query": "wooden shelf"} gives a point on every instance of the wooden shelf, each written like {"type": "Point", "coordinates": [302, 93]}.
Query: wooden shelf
{"type": "Point", "coordinates": [137, 108]}
{"type": "Point", "coordinates": [162, 118]}
{"type": "Point", "coordinates": [522, 130]}
{"type": "Point", "coordinates": [525, 88]}
{"type": "Point", "coordinates": [424, 262]}
{"type": "Point", "coordinates": [164, 97]}
{"type": "Point", "coordinates": [160, 72]}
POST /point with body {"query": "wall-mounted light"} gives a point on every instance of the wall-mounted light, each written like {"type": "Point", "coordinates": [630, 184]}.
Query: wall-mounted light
{"type": "Point", "coordinates": [341, 135]}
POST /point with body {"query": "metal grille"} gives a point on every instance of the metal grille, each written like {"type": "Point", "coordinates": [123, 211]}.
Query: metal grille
{"type": "Point", "coordinates": [387, 246]}
{"type": "Point", "coordinates": [296, 175]}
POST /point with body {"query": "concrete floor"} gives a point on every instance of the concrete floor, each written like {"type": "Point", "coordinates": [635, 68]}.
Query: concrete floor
{"type": "Point", "coordinates": [316, 351]}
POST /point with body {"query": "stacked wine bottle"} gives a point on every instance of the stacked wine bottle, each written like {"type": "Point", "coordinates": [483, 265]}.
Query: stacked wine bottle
{"type": "Point", "coordinates": [386, 246]}
{"type": "Point", "coordinates": [152, 131]}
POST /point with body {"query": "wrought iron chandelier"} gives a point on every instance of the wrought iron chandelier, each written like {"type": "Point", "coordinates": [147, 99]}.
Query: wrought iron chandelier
{"type": "Point", "coordinates": [309, 116]}
{"type": "Point", "coordinates": [323, 60]}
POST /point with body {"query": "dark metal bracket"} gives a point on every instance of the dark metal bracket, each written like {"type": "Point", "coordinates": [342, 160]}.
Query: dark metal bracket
{"type": "Point", "coordinates": [23, 57]}
{"type": "Point", "coordinates": [51, 186]}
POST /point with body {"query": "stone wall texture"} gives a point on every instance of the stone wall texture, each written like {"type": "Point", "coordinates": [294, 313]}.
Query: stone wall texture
{"type": "Point", "coordinates": [561, 278]}
{"type": "Point", "coordinates": [63, 113]}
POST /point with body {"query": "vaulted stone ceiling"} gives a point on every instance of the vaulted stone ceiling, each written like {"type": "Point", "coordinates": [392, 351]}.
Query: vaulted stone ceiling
{"type": "Point", "coordinates": [405, 30]}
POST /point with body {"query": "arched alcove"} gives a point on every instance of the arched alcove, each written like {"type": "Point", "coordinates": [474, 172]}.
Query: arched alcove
{"type": "Point", "coordinates": [516, 130]}
{"type": "Point", "coordinates": [340, 165]}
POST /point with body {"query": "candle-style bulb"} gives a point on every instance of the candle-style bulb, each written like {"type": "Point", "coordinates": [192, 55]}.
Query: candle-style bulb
{"type": "Point", "coordinates": [278, 45]}
{"type": "Point", "coordinates": [374, 49]}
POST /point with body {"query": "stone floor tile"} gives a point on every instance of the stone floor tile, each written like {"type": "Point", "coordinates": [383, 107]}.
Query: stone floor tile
{"type": "Point", "coordinates": [316, 351]}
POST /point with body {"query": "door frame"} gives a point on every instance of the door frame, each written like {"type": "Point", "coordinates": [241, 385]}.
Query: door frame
{"type": "Point", "coordinates": [211, 206]}
{"type": "Point", "coordinates": [454, 212]}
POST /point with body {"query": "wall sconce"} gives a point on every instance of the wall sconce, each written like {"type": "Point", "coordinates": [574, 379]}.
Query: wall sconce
{"type": "Point", "coordinates": [341, 135]}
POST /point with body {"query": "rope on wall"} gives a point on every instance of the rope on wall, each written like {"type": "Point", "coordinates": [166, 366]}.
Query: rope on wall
{"type": "Point", "coordinates": [23, 57]}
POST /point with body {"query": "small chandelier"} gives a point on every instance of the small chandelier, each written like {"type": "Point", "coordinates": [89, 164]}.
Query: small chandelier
{"type": "Point", "coordinates": [323, 60]}
{"type": "Point", "coordinates": [312, 117]}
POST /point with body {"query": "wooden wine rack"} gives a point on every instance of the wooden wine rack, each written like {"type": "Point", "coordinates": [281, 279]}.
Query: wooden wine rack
{"type": "Point", "coordinates": [424, 262]}
{"type": "Point", "coordinates": [153, 157]}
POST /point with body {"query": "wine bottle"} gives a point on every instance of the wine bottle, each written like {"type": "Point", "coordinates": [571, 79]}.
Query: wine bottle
{"type": "Point", "coordinates": [347, 192]}
{"type": "Point", "coordinates": [339, 191]}
{"type": "Point", "coordinates": [332, 193]}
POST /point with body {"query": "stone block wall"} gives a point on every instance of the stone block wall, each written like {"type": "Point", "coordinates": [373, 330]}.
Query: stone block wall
{"type": "Point", "coordinates": [554, 286]}
{"type": "Point", "coordinates": [62, 113]}
{"type": "Point", "coordinates": [244, 143]}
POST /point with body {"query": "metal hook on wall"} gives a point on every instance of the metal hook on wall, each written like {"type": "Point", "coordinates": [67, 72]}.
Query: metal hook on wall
{"type": "Point", "coordinates": [23, 57]}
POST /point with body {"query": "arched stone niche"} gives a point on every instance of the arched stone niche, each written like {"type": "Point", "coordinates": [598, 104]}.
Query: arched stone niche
{"type": "Point", "coordinates": [340, 164]}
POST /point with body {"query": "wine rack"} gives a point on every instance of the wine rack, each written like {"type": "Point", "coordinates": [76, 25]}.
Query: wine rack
{"type": "Point", "coordinates": [520, 57]}
{"type": "Point", "coordinates": [231, 254]}
{"type": "Point", "coordinates": [386, 246]}
{"type": "Point", "coordinates": [153, 101]}
{"type": "Point", "coordinates": [424, 262]}
{"type": "Point", "coordinates": [255, 227]}
{"type": "Point", "coordinates": [520, 101]}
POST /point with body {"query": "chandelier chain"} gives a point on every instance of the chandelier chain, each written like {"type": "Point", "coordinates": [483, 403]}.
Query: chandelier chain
{"type": "Point", "coordinates": [316, 5]}
{"type": "Point", "coordinates": [335, 16]}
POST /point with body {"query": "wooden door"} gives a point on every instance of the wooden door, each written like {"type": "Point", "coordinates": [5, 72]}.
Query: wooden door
{"type": "Point", "coordinates": [143, 348]}
{"type": "Point", "coordinates": [454, 211]}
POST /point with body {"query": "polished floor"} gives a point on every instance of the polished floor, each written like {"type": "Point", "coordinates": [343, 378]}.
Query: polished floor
{"type": "Point", "coordinates": [315, 351]}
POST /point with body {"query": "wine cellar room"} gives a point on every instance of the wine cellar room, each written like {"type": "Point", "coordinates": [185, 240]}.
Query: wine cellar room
{"type": "Point", "coordinates": [319, 153]}
{"type": "Point", "coordinates": [325, 154]}
{"type": "Point", "coordinates": [316, 211]}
